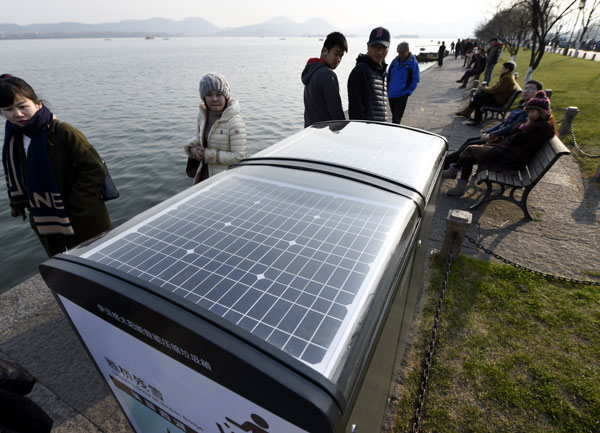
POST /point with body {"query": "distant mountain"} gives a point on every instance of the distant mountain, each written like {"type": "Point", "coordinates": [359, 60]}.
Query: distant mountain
{"type": "Point", "coordinates": [278, 26]}
{"type": "Point", "coordinates": [421, 28]}
{"type": "Point", "coordinates": [186, 27]}
{"type": "Point", "coordinates": [282, 26]}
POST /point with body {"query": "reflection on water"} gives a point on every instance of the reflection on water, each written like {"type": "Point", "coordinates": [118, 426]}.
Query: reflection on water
{"type": "Point", "coordinates": [137, 102]}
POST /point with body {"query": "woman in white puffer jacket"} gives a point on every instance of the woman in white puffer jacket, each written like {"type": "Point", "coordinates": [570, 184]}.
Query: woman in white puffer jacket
{"type": "Point", "coordinates": [220, 138]}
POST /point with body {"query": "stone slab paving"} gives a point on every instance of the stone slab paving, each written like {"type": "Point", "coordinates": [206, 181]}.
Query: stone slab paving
{"type": "Point", "coordinates": [563, 238]}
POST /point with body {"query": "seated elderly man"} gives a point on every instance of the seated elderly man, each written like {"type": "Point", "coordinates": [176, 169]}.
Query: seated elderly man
{"type": "Point", "coordinates": [502, 129]}
{"type": "Point", "coordinates": [497, 95]}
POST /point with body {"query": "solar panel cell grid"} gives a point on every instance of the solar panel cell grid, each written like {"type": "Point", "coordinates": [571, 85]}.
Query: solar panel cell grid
{"type": "Point", "coordinates": [282, 262]}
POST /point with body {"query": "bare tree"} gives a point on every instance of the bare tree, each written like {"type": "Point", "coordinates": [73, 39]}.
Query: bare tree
{"type": "Point", "coordinates": [593, 12]}
{"type": "Point", "coordinates": [510, 26]}
{"type": "Point", "coordinates": [544, 14]}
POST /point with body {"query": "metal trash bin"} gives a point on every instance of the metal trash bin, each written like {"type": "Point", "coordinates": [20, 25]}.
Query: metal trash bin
{"type": "Point", "coordinates": [273, 297]}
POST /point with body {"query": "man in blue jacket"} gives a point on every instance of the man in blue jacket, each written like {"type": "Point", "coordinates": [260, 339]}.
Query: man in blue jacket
{"type": "Point", "coordinates": [402, 78]}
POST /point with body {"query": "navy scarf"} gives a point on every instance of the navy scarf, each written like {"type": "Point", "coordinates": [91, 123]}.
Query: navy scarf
{"type": "Point", "coordinates": [39, 190]}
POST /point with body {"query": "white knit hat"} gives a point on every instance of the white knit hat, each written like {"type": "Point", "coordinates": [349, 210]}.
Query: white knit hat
{"type": "Point", "coordinates": [214, 81]}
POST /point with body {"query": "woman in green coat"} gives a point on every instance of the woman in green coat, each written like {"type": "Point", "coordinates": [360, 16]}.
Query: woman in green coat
{"type": "Point", "coordinates": [51, 170]}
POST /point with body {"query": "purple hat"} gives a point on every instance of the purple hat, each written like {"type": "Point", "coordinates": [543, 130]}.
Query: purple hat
{"type": "Point", "coordinates": [539, 102]}
{"type": "Point", "coordinates": [380, 35]}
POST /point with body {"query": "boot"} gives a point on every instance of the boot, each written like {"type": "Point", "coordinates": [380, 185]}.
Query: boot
{"type": "Point", "coordinates": [464, 86]}
{"type": "Point", "coordinates": [466, 112]}
{"type": "Point", "coordinates": [459, 189]}
{"type": "Point", "coordinates": [450, 172]}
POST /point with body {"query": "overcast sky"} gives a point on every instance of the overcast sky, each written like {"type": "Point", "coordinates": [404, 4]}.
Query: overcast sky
{"type": "Point", "coordinates": [234, 13]}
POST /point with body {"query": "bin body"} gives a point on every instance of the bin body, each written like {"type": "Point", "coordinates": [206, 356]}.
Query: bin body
{"type": "Point", "coordinates": [275, 296]}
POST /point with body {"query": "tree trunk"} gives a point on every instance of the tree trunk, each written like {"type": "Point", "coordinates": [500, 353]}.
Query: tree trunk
{"type": "Point", "coordinates": [529, 74]}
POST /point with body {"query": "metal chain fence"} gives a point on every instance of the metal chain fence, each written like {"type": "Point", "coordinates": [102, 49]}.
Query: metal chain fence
{"type": "Point", "coordinates": [579, 148]}
{"type": "Point", "coordinates": [533, 271]}
{"type": "Point", "coordinates": [430, 351]}
{"type": "Point", "coordinates": [418, 415]}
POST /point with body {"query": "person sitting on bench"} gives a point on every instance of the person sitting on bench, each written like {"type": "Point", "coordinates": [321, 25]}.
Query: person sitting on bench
{"type": "Point", "coordinates": [497, 95]}
{"type": "Point", "coordinates": [512, 153]}
{"type": "Point", "coordinates": [502, 129]}
{"type": "Point", "coordinates": [476, 67]}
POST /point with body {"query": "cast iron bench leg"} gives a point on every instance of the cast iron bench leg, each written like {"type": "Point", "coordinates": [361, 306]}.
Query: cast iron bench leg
{"type": "Point", "coordinates": [486, 196]}
{"type": "Point", "coordinates": [523, 202]}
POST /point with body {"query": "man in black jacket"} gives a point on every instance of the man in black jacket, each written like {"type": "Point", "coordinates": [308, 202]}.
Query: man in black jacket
{"type": "Point", "coordinates": [321, 88]}
{"type": "Point", "coordinates": [367, 95]}
{"type": "Point", "coordinates": [492, 59]}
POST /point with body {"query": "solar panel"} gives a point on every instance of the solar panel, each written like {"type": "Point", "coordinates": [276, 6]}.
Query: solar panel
{"type": "Point", "coordinates": [399, 154]}
{"type": "Point", "coordinates": [287, 263]}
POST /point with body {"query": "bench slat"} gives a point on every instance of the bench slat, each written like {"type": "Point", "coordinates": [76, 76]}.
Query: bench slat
{"type": "Point", "coordinates": [549, 152]}
{"type": "Point", "coordinates": [502, 109]}
{"type": "Point", "coordinates": [515, 181]}
{"type": "Point", "coordinates": [526, 179]}
{"type": "Point", "coordinates": [538, 169]}
{"type": "Point", "coordinates": [541, 158]}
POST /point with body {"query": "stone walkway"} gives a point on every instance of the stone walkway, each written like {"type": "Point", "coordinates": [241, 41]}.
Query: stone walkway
{"type": "Point", "coordinates": [563, 238]}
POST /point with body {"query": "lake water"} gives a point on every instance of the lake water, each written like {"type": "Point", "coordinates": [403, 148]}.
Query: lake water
{"type": "Point", "coordinates": [137, 100]}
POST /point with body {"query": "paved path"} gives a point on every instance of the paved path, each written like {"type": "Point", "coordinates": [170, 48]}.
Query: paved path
{"type": "Point", "coordinates": [563, 239]}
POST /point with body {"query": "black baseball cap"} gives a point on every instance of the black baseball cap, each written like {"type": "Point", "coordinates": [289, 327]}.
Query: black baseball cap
{"type": "Point", "coordinates": [379, 35]}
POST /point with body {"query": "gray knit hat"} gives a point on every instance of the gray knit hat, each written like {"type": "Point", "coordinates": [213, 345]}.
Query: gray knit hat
{"type": "Point", "coordinates": [214, 81]}
{"type": "Point", "coordinates": [403, 47]}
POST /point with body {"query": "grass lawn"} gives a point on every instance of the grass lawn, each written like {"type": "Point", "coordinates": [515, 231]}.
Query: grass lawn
{"type": "Point", "coordinates": [515, 353]}
{"type": "Point", "coordinates": [574, 82]}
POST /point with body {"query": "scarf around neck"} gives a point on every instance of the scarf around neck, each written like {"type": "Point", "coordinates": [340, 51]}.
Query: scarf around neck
{"type": "Point", "coordinates": [38, 189]}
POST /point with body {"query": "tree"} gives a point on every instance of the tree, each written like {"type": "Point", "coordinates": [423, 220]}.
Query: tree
{"type": "Point", "coordinates": [510, 26]}
{"type": "Point", "coordinates": [591, 16]}
{"type": "Point", "coordinates": [544, 14]}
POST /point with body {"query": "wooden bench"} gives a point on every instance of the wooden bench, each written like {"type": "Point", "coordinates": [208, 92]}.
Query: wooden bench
{"type": "Point", "coordinates": [524, 179]}
{"type": "Point", "coordinates": [499, 111]}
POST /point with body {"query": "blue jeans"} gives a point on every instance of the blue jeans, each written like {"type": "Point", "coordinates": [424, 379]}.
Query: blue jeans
{"type": "Point", "coordinates": [488, 73]}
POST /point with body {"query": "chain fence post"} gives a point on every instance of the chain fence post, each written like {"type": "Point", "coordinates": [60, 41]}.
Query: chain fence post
{"type": "Point", "coordinates": [567, 123]}
{"type": "Point", "coordinates": [457, 221]}
{"type": "Point", "coordinates": [597, 175]}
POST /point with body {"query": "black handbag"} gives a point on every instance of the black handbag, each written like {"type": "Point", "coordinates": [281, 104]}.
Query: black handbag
{"type": "Point", "coordinates": [108, 191]}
